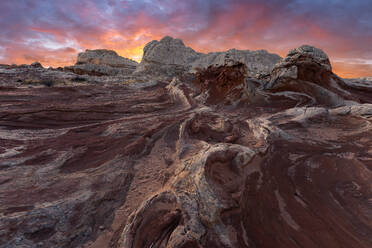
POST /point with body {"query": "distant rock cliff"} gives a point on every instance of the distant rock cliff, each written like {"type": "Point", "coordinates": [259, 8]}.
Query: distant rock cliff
{"type": "Point", "coordinates": [304, 63]}
{"type": "Point", "coordinates": [170, 56]}
{"type": "Point", "coordinates": [258, 62]}
{"type": "Point", "coordinates": [102, 62]}
{"type": "Point", "coordinates": [104, 57]}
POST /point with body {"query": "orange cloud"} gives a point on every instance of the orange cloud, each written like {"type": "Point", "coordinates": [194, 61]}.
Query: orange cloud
{"type": "Point", "coordinates": [126, 26]}
{"type": "Point", "coordinates": [351, 70]}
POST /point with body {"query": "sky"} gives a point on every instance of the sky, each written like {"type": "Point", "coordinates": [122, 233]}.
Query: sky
{"type": "Point", "coordinates": [54, 31]}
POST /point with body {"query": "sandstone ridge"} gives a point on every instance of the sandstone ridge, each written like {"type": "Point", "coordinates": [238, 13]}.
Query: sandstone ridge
{"type": "Point", "coordinates": [172, 57]}
{"type": "Point", "coordinates": [102, 62]}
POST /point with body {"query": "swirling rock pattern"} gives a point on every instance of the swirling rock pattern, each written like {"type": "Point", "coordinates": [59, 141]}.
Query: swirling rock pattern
{"type": "Point", "coordinates": [215, 159]}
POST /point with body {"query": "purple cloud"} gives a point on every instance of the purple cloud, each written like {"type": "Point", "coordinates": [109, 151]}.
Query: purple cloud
{"type": "Point", "coordinates": [54, 31]}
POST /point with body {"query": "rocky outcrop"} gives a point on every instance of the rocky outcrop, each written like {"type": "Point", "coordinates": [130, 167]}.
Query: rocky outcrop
{"type": "Point", "coordinates": [227, 84]}
{"type": "Point", "coordinates": [104, 57]}
{"type": "Point", "coordinates": [306, 72]}
{"type": "Point", "coordinates": [363, 81]}
{"type": "Point", "coordinates": [102, 62]}
{"type": "Point", "coordinates": [217, 159]}
{"type": "Point", "coordinates": [168, 56]}
{"type": "Point", "coordinates": [259, 63]}
{"type": "Point", "coordinates": [36, 65]}
{"type": "Point", "coordinates": [304, 63]}
{"type": "Point", "coordinates": [171, 57]}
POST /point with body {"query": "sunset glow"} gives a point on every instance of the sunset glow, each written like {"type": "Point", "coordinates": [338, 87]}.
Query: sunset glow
{"type": "Point", "coordinates": [53, 32]}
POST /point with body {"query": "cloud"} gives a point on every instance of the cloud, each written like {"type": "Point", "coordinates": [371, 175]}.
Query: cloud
{"type": "Point", "coordinates": [352, 70]}
{"type": "Point", "coordinates": [54, 31]}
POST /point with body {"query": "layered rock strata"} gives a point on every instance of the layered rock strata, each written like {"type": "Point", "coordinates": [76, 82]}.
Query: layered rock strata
{"type": "Point", "coordinates": [217, 159]}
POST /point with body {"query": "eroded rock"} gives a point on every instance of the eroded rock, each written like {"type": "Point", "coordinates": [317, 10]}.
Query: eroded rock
{"type": "Point", "coordinates": [307, 73]}
{"type": "Point", "coordinates": [303, 63]}
{"type": "Point", "coordinates": [216, 159]}
{"type": "Point", "coordinates": [104, 57]}
{"type": "Point", "coordinates": [259, 63]}
{"type": "Point", "coordinates": [168, 56]}
{"type": "Point", "coordinates": [226, 84]}
{"type": "Point", "coordinates": [171, 57]}
{"type": "Point", "coordinates": [102, 62]}
{"type": "Point", "coordinates": [36, 65]}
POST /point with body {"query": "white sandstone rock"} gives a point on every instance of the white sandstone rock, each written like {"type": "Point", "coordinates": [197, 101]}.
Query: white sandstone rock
{"type": "Point", "coordinates": [257, 62]}
{"type": "Point", "coordinates": [102, 62]}
{"type": "Point", "coordinates": [104, 57]}
{"type": "Point", "coordinates": [170, 56]}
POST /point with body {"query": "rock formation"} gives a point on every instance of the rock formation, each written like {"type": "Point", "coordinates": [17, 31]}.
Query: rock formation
{"type": "Point", "coordinates": [104, 57]}
{"type": "Point", "coordinates": [258, 63]}
{"type": "Point", "coordinates": [168, 56]}
{"type": "Point", "coordinates": [228, 84]}
{"type": "Point", "coordinates": [171, 57]}
{"type": "Point", "coordinates": [36, 65]}
{"type": "Point", "coordinates": [102, 62]}
{"type": "Point", "coordinates": [307, 73]}
{"type": "Point", "coordinates": [304, 63]}
{"type": "Point", "coordinates": [215, 159]}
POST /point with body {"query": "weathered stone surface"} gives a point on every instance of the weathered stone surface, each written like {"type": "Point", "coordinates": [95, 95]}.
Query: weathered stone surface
{"type": "Point", "coordinates": [98, 70]}
{"type": "Point", "coordinates": [104, 57]}
{"type": "Point", "coordinates": [168, 56]}
{"type": "Point", "coordinates": [102, 62]}
{"type": "Point", "coordinates": [36, 65]}
{"type": "Point", "coordinates": [171, 57]}
{"type": "Point", "coordinates": [306, 52]}
{"type": "Point", "coordinates": [304, 63]}
{"type": "Point", "coordinates": [49, 196]}
{"type": "Point", "coordinates": [307, 72]}
{"type": "Point", "coordinates": [258, 63]}
{"type": "Point", "coordinates": [225, 84]}
{"type": "Point", "coordinates": [217, 159]}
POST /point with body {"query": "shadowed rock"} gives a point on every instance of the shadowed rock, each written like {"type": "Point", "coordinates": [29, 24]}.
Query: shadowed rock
{"type": "Point", "coordinates": [36, 65]}
{"type": "Point", "coordinates": [307, 73]}
{"type": "Point", "coordinates": [304, 63]}
{"type": "Point", "coordinates": [226, 84]}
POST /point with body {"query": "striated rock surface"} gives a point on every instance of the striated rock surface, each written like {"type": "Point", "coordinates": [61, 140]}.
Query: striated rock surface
{"type": "Point", "coordinates": [258, 63]}
{"type": "Point", "coordinates": [102, 62]}
{"type": "Point", "coordinates": [217, 159]}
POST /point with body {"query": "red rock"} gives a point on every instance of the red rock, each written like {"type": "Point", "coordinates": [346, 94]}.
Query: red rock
{"type": "Point", "coordinates": [215, 160]}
